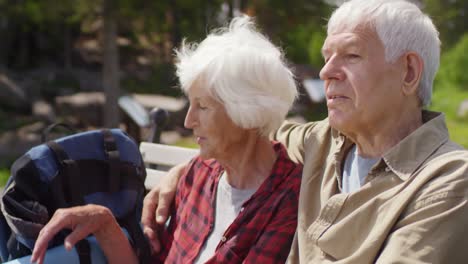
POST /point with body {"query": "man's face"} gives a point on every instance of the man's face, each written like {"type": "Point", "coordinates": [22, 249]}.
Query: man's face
{"type": "Point", "coordinates": [362, 88]}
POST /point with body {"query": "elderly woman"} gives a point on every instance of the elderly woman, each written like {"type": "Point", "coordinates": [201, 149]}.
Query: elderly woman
{"type": "Point", "coordinates": [237, 201]}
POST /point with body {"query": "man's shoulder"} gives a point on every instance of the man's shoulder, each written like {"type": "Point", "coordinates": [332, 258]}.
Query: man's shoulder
{"type": "Point", "coordinates": [445, 176]}
{"type": "Point", "coordinates": [448, 154]}
{"type": "Point", "coordinates": [308, 127]}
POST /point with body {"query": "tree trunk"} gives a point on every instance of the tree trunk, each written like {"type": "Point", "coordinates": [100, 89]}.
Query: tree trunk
{"type": "Point", "coordinates": [110, 66]}
{"type": "Point", "coordinates": [175, 17]}
{"type": "Point", "coordinates": [5, 44]}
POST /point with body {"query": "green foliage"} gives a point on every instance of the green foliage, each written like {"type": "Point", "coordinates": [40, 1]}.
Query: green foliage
{"type": "Point", "coordinates": [37, 12]}
{"type": "Point", "coordinates": [4, 174]}
{"type": "Point", "coordinates": [446, 99]}
{"type": "Point", "coordinates": [315, 47]}
{"type": "Point", "coordinates": [161, 80]}
{"type": "Point", "coordinates": [295, 25]}
{"type": "Point", "coordinates": [451, 88]}
{"type": "Point", "coordinates": [453, 66]}
{"type": "Point", "coordinates": [304, 43]}
{"type": "Point", "coordinates": [449, 17]}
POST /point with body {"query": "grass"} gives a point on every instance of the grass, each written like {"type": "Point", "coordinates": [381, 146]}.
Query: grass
{"type": "Point", "coordinates": [446, 99]}
{"type": "Point", "coordinates": [187, 142]}
{"type": "Point", "coordinates": [4, 174]}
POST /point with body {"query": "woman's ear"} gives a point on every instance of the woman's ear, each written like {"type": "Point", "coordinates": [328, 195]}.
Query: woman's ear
{"type": "Point", "coordinates": [412, 76]}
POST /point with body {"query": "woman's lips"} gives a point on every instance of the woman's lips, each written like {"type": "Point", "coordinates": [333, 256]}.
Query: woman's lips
{"type": "Point", "coordinates": [200, 139]}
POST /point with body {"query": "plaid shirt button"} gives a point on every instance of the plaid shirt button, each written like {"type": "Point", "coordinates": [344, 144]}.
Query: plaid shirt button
{"type": "Point", "coordinates": [223, 239]}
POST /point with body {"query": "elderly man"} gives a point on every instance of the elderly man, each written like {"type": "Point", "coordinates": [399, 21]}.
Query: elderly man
{"type": "Point", "coordinates": [382, 182]}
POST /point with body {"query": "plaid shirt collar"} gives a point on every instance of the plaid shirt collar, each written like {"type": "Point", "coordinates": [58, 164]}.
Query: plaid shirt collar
{"type": "Point", "coordinates": [271, 183]}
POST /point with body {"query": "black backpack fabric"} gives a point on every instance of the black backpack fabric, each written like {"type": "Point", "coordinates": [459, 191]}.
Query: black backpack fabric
{"type": "Point", "coordinates": [101, 167]}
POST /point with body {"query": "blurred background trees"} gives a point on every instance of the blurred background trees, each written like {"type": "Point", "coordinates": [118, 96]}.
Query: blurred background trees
{"type": "Point", "coordinates": [53, 48]}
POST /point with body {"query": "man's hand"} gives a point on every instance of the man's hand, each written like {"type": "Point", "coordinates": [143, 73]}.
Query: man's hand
{"type": "Point", "coordinates": [157, 203]}
{"type": "Point", "coordinates": [83, 221]}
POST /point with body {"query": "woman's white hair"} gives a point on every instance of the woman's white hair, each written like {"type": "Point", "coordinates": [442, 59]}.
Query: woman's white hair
{"type": "Point", "coordinates": [401, 26]}
{"type": "Point", "coordinates": [242, 69]}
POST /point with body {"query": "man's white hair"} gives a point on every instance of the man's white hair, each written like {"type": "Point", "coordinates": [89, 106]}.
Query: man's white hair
{"type": "Point", "coordinates": [401, 26]}
{"type": "Point", "coordinates": [242, 69]}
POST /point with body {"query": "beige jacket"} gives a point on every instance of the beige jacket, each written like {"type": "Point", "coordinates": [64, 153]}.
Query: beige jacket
{"type": "Point", "coordinates": [412, 207]}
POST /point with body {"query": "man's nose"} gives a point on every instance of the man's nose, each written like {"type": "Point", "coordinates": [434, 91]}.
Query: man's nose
{"type": "Point", "coordinates": [332, 70]}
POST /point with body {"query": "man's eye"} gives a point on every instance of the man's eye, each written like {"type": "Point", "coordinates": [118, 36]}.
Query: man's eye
{"type": "Point", "coordinates": [202, 107]}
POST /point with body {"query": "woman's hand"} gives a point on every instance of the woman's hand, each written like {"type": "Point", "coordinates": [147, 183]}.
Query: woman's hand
{"type": "Point", "coordinates": [83, 221]}
{"type": "Point", "coordinates": [157, 204]}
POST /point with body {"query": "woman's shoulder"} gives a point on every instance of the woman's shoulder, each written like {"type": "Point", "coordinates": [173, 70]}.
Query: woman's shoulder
{"type": "Point", "coordinates": [288, 171]}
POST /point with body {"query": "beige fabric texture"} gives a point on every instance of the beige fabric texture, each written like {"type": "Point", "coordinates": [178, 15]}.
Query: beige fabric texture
{"type": "Point", "coordinates": [412, 207]}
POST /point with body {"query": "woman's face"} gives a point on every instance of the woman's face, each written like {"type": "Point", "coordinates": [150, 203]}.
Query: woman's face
{"type": "Point", "coordinates": [215, 132]}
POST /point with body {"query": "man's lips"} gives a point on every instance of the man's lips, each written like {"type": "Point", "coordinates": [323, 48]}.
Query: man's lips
{"type": "Point", "coordinates": [335, 99]}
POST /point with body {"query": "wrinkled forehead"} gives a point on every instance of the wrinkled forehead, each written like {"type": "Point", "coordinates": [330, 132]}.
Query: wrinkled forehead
{"type": "Point", "coordinates": [359, 37]}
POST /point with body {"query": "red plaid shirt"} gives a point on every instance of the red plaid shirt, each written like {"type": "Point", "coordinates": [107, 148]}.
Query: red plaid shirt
{"type": "Point", "coordinates": [261, 233]}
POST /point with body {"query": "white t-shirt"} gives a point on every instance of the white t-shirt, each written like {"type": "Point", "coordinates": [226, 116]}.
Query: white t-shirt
{"type": "Point", "coordinates": [229, 201]}
{"type": "Point", "coordinates": [355, 170]}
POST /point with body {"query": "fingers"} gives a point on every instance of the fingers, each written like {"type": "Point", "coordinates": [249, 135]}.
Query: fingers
{"type": "Point", "coordinates": [153, 239]}
{"type": "Point", "coordinates": [166, 196]}
{"type": "Point", "coordinates": [165, 201]}
{"type": "Point", "coordinates": [149, 208]}
{"type": "Point", "coordinates": [58, 222]}
{"type": "Point", "coordinates": [79, 233]}
{"type": "Point", "coordinates": [157, 204]}
{"type": "Point", "coordinates": [148, 219]}
{"type": "Point", "coordinates": [82, 220]}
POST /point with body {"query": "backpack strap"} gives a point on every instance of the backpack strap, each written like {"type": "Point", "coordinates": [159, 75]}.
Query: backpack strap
{"type": "Point", "coordinates": [84, 251]}
{"type": "Point", "coordinates": [112, 153]}
{"type": "Point", "coordinates": [69, 179]}
{"type": "Point", "coordinates": [140, 243]}
{"type": "Point", "coordinates": [48, 129]}
{"type": "Point", "coordinates": [71, 194]}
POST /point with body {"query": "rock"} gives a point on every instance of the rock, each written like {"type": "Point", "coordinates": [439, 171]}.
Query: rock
{"type": "Point", "coordinates": [86, 107]}
{"type": "Point", "coordinates": [13, 144]}
{"type": "Point", "coordinates": [463, 110]}
{"type": "Point", "coordinates": [44, 111]}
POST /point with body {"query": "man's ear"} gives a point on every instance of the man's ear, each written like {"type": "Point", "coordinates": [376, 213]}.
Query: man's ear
{"type": "Point", "coordinates": [413, 72]}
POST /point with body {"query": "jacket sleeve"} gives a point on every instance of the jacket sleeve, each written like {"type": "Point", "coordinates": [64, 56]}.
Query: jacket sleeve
{"type": "Point", "coordinates": [292, 136]}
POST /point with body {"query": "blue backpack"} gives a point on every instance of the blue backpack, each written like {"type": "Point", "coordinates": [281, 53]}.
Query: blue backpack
{"type": "Point", "coordinates": [101, 167]}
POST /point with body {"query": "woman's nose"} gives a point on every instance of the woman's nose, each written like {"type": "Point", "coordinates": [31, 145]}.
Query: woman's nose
{"type": "Point", "coordinates": [189, 118]}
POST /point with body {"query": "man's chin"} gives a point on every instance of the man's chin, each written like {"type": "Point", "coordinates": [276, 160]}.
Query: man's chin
{"type": "Point", "coordinates": [337, 120]}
